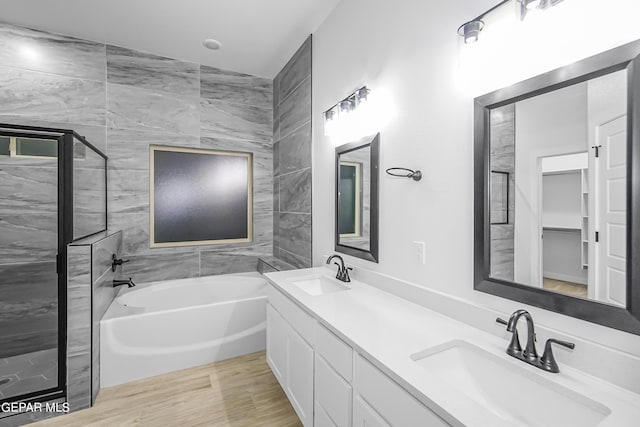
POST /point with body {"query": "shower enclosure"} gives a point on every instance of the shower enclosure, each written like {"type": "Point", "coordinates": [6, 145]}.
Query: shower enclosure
{"type": "Point", "coordinates": [52, 192]}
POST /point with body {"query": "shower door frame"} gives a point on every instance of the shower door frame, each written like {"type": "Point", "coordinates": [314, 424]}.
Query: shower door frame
{"type": "Point", "coordinates": [65, 139]}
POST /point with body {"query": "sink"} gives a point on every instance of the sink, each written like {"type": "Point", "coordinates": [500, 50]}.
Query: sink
{"type": "Point", "coordinates": [511, 392]}
{"type": "Point", "coordinates": [319, 285]}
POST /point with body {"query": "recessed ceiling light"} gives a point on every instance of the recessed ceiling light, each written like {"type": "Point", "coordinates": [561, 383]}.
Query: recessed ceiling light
{"type": "Point", "coordinates": [212, 44]}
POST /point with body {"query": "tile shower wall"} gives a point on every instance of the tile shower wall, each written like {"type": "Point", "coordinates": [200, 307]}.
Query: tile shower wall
{"type": "Point", "coordinates": [124, 100]}
{"type": "Point", "coordinates": [503, 140]}
{"type": "Point", "coordinates": [292, 159]}
{"type": "Point", "coordinates": [90, 292]}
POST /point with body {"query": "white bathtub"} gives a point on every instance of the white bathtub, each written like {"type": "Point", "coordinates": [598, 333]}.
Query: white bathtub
{"type": "Point", "coordinates": [161, 327]}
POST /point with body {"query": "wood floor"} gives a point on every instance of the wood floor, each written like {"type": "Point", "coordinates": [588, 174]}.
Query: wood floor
{"type": "Point", "coordinates": [236, 392]}
{"type": "Point", "coordinates": [567, 288]}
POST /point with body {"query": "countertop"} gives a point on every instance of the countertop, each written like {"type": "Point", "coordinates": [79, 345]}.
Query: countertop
{"type": "Point", "coordinates": [387, 330]}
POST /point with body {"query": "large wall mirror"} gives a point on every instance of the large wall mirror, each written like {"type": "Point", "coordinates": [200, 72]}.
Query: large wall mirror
{"type": "Point", "coordinates": [557, 183]}
{"type": "Point", "coordinates": [357, 198]}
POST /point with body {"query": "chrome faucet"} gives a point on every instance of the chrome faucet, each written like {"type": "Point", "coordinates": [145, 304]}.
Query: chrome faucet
{"type": "Point", "coordinates": [343, 272]}
{"type": "Point", "coordinates": [530, 355]}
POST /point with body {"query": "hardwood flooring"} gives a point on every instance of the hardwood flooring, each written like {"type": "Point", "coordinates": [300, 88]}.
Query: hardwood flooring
{"type": "Point", "coordinates": [237, 392]}
{"type": "Point", "coordinates": [567, 288]}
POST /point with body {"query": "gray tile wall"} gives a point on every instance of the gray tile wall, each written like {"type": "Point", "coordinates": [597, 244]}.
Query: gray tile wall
{"type": "Point", "coordinates": [103, 295]}
{"type": "Point", "coordinates": [503, 140]}
{"type": "Point", "coordinates": [292, 159]}
{"type": "Point", "coordinates": [79, 327]}
{"type": "Point", "coordinates": [90, 292]}
{"type": "Point", "coordinates": [124, 100]}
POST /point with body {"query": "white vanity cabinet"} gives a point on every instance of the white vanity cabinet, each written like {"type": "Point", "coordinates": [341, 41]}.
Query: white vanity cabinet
{"type": "Point", "coordinates": [327, 382]}
{"type": "Point", "coordinates": [290, 353]}
{"type": "Point", "coordinates": [388, 400]}
{"type": "Point", "coordinates": [365, 416]}
{"type": "Point", "coordinates": [332, 380]}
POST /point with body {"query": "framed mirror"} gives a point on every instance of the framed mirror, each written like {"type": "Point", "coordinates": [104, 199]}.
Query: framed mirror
{"type": "Point", "coordinates": [557, 190]}
{"type": "Point", "coordinates": [357, 198]}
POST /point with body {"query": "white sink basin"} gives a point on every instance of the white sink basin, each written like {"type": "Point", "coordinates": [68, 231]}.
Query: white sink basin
{"type": "Point", "coordinates": [319, 285]}
{"type": "Point", "coordinates": [512, 393]}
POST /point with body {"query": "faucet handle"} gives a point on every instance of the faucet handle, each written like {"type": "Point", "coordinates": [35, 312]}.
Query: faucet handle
{"type": "Point", "coordinates": [501, 321]}
{"type": "Point", "coordinates": [548, 361]}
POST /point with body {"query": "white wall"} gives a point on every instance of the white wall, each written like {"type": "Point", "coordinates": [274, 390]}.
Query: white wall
{"type": "Point", "coordinates": [409, 48]}
{"type": "Point", "coordinates": [548, 125]}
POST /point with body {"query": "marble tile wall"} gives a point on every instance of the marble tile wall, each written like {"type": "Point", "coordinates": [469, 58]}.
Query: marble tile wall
{"type": "Point", "coordinates": [103, 294]}
{"type": "Point", "coordinates": [90, 292]}
{"type": "Point", "coordinates": [292, 160]}
{"type": "Point", "coordinates": [123, 100]}
{"type": "Point", "coordinates": [79, 326]}
{"type": "Point", "coordinates": [503, 159]}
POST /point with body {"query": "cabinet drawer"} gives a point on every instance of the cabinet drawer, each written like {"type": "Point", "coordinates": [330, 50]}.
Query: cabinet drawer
{"type": "Point", "coordinates": [321, 418]}
{"type": "Point", "coordinates": [332, 393]}
{"type": "Point", "coordinates": [389, 400]}
{"type": "Point", "coordinates": [299, 320]}
{"type": "Point", "coordinates": [365, 416]}
{"type": "Point", "coordinates": [335, 351]}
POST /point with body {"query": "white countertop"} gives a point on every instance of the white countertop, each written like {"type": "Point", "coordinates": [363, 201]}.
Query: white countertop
{"type": "Point", "coordinates": [387, 330]}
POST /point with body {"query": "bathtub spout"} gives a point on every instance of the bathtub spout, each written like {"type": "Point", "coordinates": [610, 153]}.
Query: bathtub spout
{"type": "Point", "coordinates": [129, 283]}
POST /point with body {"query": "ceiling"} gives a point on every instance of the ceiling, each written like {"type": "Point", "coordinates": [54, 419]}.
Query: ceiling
{"type": "Point", "coordinates": [257, 36]}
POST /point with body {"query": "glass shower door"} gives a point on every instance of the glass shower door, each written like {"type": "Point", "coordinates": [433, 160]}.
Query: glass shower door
{"type": "Point", "coordinates": [31, 291]}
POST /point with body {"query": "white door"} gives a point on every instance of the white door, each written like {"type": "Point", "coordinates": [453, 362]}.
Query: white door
{"type": "Point", "coordinates": [612, 211]}
{"type": "Point", "coordinates": [276, 343]}
{"type": "Point", "coordinates": [299, 376]}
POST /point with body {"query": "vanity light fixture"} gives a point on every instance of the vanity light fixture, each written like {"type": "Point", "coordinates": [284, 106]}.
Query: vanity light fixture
{"type": "Point", "coordinates": [329, 115]}
{"type": "Point", "coordinates": [362, 94]}
{"type": "Point", "coordinates": [527, 6]}
{"type": "Point", "coordinates": [531, 4]}
{"type": "Point", "coordinates": [347, 105]}
{"type": "Point", "coordinates": [471, 30]}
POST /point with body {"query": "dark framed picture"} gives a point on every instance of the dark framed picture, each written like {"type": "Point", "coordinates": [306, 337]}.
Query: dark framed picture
{"type": "Point", "coordinates": [199, 196]}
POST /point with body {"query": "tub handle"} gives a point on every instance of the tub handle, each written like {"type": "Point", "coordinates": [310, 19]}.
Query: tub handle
{"type": "Point", "coordinates": [115, 262]}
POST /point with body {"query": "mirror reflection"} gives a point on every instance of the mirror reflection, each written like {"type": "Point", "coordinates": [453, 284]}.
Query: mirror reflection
{"type": "Point", "coordinates": [357, 198]}
{"type": "Point", "coordinates": [354, 198]}
{"type": "Point", "coordinates": [558, 190]}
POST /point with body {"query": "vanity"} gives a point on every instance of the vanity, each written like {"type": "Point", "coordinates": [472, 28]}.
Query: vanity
{"type": "Point", "coordinates": [353, 355]}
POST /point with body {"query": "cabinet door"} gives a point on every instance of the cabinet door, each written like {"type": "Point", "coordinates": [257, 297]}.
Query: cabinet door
{"type": "Point", "coordinates": [365, 416]}
{"type": "Point", "coordinates": [276, 343]}
{"type": "Point", "coordinates": [299, 376]}
{"type": "Point", "coordinates": [332, 393]}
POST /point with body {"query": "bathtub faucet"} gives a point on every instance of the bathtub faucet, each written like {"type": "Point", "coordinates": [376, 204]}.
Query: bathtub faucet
{"type": "Point", "coordinates": [129, 283]}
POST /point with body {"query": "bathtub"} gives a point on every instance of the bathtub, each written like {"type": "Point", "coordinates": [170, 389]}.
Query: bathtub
{"type": "Point", "coordinates": [161, 327]}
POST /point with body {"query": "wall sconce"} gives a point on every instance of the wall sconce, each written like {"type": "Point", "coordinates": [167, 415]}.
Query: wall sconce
{"type": "Point", "coordinates": [347, 105]}
{"type": "Point", "coordinates": [470, 30]}
{"type": "Point", "coordinates": [526, 6]}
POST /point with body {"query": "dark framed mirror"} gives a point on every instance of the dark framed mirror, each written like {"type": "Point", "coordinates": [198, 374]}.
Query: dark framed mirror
{"type": "Point", "coordinates": [356, 217]}
{"type": "Point", "coordinates": [559, 227]}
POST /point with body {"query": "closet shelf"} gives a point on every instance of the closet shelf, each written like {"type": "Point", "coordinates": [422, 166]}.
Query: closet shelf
{"type": "Point", "coordinates": [553, 228]}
